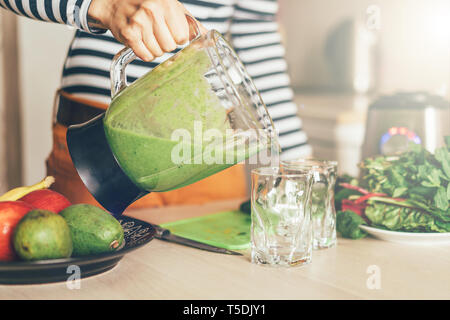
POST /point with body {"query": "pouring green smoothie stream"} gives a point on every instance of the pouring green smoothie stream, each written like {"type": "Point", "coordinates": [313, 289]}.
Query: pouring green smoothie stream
{"type": "Point", "coordinates": [141, 121]}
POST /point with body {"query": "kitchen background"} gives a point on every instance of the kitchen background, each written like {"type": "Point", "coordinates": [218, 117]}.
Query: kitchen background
{"type": "Point", "coordinates": [341, 54]}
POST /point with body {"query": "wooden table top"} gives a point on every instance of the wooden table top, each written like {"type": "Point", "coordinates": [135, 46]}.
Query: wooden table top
{"type": "Point", "coordinates": [355, 269]}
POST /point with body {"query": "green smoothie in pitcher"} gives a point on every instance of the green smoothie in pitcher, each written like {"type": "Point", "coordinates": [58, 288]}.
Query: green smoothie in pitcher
{"type": "Point", "coordinates": [171, 100]}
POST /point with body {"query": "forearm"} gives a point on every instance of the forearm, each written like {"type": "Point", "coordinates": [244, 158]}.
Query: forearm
{"type": "Point", "coordinates": [70, 12]}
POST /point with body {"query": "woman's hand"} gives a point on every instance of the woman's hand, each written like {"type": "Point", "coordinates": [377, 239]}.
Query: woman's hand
{"type": "Point", "coordinates": [149, 27]}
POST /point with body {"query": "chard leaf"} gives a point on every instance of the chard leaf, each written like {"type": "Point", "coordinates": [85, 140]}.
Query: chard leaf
{"type": "Point", "coordinates": [429, 184]}
{"type": "Point", "coordinates": [423, 172]}
{"type": "Point", "coordinates": [398, 192]}
{"type": "Point", "coordinates": [440, 199]}
{"type": "Point", "coordinates": [443, 156]}
{"type": "Point", "coordinates": [347, 224]}
{"type": "Point", "coordinates": [434, 177]}
{"type": "Point", "coordinates": [423, 191]}
{"type": "Point", "coordinates": [399, 218]}
{"type": "Point", "coordinates": [448, 192]}
{"type": "Point", "coordinates": [397, 178]}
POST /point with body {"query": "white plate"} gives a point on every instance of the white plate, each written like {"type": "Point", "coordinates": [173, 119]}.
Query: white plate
{"type": "Point", "coordinates": [409, 237]}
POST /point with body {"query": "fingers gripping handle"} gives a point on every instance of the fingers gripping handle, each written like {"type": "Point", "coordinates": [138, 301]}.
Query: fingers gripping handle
{"type": "Point", "coordinates": [118, 74]}
{"type": "Point", "coordinates": [126, 55]}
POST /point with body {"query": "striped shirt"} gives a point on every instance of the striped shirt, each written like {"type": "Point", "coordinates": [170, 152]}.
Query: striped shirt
{"type": "Point", "coordinates": [250, 25]}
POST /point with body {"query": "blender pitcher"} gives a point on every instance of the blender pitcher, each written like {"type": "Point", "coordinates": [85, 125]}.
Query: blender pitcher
{"type": "Point", "coordinates": [192, 116]}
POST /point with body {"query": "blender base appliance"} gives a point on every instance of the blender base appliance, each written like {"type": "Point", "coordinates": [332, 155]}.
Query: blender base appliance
{"type": "Point", "coordinates": [393, 122]}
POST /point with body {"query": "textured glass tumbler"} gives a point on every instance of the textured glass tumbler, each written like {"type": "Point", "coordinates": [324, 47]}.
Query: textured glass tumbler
{"type": "Point", "coordinates": [322, 196]}
{"type": "Point", "coordinates": [281, 217]}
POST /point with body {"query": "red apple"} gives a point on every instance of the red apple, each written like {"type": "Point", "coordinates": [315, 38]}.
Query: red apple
{"type": "Point", "coordinates": [47, 200]}
{"type": "Point", "coordinates": [10, 214]}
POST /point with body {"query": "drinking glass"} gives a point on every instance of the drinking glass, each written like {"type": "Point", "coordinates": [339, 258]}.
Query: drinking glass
{"type": "Point", "coordinates": [281, 217]}
{"type": "Point", "coordinates": [322, 198]}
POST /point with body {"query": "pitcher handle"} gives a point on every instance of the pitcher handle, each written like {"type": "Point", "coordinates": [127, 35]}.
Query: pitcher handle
{"type": "Point", "coordinates": [126, 55]}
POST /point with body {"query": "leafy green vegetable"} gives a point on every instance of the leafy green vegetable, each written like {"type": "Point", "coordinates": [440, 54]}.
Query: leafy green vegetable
{"type": "Point", "coordinates": [448, 191]}
{"type": "Point", "coordinates": [440, 199]}
{"type": "Point", "coordinates": [341, 193]}
{"type": "Point", "coordinates": [418, 176]}
{"type": "Point", "coordinates": [245, 207]}
{"type": "Point", "coordinates": [412, 193]}
{"type": "Point", "coordinates": [406, 219]}
{"type": "Point", "coordinates": [347, 224]}
{"type": "Point", "coordinates": [444, 159]}
{"type": "Point", "coordinates": [398, 192]}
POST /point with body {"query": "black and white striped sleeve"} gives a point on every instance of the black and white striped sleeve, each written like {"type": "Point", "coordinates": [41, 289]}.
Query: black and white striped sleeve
{"type": "Point", "coordinates": [70, 12]}
{"type": "Point", "coordinates": [255, 36]}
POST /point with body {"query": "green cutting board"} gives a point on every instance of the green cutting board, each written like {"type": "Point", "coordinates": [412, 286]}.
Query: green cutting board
{"type": "Point", "coordinates": [229, 230]}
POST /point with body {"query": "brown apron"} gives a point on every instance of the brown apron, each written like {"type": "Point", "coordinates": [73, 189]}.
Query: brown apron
{"type": "Point", "coordinates": [227, 184]}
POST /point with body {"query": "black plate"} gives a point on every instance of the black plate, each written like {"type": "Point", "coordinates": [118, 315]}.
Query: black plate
{"type": "Point", "coordinates": [137, 233]}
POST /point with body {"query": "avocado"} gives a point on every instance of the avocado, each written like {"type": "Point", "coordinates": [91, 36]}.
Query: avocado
{"type": "Point", "coordinates": [42, 234]}
{"type": "Point", "coordinates": [93, 230]}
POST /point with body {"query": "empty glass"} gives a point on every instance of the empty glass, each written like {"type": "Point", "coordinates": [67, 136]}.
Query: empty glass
{"type": "Point", "coordinates": [323, 210]}
{"type": "Point", "coordinates": [281, 218]}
